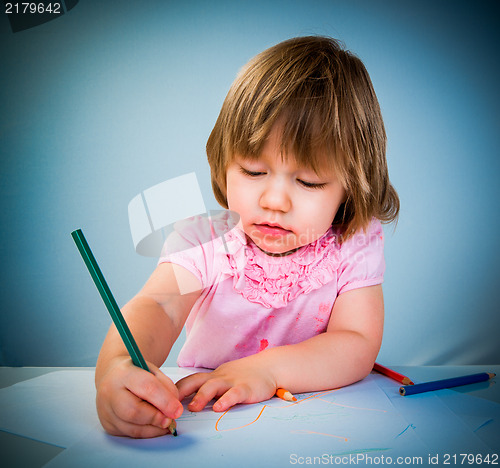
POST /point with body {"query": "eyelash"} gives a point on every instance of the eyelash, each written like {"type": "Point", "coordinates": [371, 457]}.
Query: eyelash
{"type": "Point", "coordinates": [250, 173]}
{"type": "Point", "coordinates": [310, 185]}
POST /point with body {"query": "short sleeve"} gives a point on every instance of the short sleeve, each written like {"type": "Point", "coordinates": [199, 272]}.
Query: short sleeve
{"type": "Point", "coordinates": [362, 259]}
{"type": "Point", "coordinates": [199, 244]}
{"type": "Point", "coordinates": [187, 247]}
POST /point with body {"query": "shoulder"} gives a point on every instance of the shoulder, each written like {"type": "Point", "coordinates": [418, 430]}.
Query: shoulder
{"type": "Point", "coordinates": [361, 258]}
{"type": "Point", "coordinates": [199, 244]}
{"type": "Point", "coordinates": [370, 238]}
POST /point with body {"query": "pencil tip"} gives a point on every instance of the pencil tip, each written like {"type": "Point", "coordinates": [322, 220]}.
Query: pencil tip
{"type": "Point", "coordinates": [173, 428]}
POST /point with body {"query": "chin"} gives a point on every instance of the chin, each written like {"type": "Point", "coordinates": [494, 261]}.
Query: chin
{"type": "Point", "coordinates": [276, 250]}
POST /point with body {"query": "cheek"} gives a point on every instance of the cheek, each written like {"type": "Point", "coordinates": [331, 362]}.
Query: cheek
{"type": "Point", "coordinates": [231, 188]}
{"type": "Point", "coordinates": [235, 196]}
{"type": "Point", "coordinates": [321, 213]}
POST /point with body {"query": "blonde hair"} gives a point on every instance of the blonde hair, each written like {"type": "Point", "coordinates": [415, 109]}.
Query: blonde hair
{"type": "Point", "coordinates": [328, 112]}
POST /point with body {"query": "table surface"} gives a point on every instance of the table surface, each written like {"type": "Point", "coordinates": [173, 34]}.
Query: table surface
{"type": "Point", "coordinates": [18, 451]}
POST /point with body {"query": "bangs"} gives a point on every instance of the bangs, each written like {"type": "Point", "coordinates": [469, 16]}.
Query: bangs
{"type": "Point", "coordinates": [302, 137]}
{"type": "Point", "coordinates": [300, 93]}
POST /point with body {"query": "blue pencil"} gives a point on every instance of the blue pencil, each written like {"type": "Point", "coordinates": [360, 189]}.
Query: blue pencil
{"type": "Point", "coordinates": [445, 383]}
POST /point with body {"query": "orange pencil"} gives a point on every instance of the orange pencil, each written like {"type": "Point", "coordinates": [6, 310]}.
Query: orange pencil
{"type": "Point", "coordinates": [285, 395]}
{"type": "Point", "coordinates": [392, 374]}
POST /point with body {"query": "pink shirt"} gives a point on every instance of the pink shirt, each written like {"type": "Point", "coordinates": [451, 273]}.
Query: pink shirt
{"type": "Point", "coordinates": [251, 301]}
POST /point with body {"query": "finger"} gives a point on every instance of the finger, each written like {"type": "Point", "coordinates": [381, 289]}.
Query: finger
{"type": "Point", "coordinates": [114, 425]}
{"type": "Point", "coordinates": [232, 397]}
{"type": "Point", "coordinates": [137, 431]}
{"type": "Point", "coordinates": [131, 409]}
{"type": "Point", "coordinates": [147, 387]}
{"type": "Point", "coordinates": [209, 390]}
{"type": "Point", "coordinates": [190, 384]}
{"type": "Point", "coordinates": [166, 381]}
{"type": "Point", "coordinates": [171, 387]}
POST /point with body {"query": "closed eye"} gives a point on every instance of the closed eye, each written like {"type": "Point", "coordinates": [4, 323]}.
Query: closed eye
{"type": "Point", "coordinates": [250, 173]}
{"type": "Point", "coordinates": [311, 184]}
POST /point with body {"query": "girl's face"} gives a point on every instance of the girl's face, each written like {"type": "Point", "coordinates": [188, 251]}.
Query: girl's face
{"type": "Point", "coordinates": [282, 206]}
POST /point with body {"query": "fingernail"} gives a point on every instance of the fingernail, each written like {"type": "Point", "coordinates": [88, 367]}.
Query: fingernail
{"type": "Point", "coordinates": [165, 423]}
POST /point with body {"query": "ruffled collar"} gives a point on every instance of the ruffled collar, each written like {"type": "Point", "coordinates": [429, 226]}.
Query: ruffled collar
{"type": "Point", "coordinates": [275, 281]}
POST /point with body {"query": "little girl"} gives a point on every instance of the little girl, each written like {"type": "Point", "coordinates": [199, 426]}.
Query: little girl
{"type": "Point", "coordinates": [291, 297]}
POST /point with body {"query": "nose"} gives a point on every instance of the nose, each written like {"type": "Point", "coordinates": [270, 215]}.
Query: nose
{"type": "Point", "coordinates": [276, 196]}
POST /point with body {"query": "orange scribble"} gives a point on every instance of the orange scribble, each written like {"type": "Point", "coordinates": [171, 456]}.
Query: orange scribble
{"type": "Point", "coordinates": [317, 395]}
{"type": "Point", "coordinates": [240, 427]}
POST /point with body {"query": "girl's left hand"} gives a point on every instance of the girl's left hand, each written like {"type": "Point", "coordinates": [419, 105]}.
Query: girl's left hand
{"type": "Point", "coordinates": [234, 382]}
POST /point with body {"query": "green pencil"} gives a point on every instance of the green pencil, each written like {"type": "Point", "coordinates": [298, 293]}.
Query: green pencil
{"type": "Point", "coordinates": [111, 305]}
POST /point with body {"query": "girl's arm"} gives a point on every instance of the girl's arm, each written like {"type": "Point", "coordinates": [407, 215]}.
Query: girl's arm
{"type": "Point", "coordinates": [342, 355]}
{"type": "Point", "coordinates": [131, 401]}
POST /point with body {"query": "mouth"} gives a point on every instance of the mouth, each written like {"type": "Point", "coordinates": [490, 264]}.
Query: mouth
{"type": "Point", "coordinates": [272, 229]}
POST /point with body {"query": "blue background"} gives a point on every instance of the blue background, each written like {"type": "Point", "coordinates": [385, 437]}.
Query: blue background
{"type": "Point", "coordinates": [115, 97]}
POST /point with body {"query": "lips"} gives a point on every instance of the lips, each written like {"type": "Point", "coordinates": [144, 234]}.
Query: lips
{"type": "Point", "coordinates": [271, 229]}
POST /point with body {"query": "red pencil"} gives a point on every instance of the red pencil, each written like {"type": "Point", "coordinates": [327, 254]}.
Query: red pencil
{"type": "Point", "coordinates": [392, 374]}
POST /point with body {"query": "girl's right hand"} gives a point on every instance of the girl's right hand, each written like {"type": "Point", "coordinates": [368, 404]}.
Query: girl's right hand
{"type": "Point", "coordinates": [136, 403]}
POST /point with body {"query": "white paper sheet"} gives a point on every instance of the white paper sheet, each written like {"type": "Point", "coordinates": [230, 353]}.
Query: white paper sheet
{"type": "Point", "coordinates": [364, 423]}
